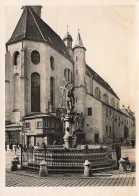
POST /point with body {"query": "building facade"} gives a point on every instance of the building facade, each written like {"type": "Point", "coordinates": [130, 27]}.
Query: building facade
{"type": "Point", "coordinates": [39, 65]}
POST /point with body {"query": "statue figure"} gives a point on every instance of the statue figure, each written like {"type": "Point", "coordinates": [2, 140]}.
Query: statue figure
{"type": "Point", "coordinates": [70, 99]}
{"type": "Point", "coordinates": [63, 94]}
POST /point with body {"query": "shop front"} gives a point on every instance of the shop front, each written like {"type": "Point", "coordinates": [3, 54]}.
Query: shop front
{"type": "Point", "coordinates": [13, 134]}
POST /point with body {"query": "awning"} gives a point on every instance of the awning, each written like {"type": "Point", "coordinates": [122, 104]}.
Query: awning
{"type": "Point", "coordinates": [13, 130]}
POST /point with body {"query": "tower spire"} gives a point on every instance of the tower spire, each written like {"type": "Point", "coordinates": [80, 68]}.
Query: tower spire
{"type": "Point", "coordinates": [79, 42]}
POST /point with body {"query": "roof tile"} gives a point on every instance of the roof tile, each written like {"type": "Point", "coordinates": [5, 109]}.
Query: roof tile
{"type": "Point", "coordinates": [32, 27]}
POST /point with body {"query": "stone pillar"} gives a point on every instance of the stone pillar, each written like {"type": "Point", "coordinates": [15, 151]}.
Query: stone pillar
{"type": "Point", "coordinates": [68, 123]}
{"type": "Point", "coordinates": [43, 169]}
{"type": "Point", "coordinates": [114, 158]}
{"type": "Point", "coordinates": [32, 140]}
{"type": "Point", "coordinates": [15, 162]}
{"type": "Point", "coordinates": [87, 169]}
{"type": "Point", "coordinates": [122, 165]}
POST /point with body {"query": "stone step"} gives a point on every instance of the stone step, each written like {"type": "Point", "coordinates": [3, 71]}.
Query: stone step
{"type": "Point", "coordinates": [67, 169]}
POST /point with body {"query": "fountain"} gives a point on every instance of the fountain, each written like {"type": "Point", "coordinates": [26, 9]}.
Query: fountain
{"type": "Point", "coordinates": [72, 158]}
{"type": "Point", "coordinates": [69, 119]}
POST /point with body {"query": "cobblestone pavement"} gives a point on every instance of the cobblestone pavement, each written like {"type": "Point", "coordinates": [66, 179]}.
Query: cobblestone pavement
{"type": "Point", "coordinates": [24, 179]}
{"type": "Point", "coordinates": [128, 151]}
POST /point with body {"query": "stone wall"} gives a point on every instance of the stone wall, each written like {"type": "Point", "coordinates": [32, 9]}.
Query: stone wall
{"type": "Point", "coordinates": [93, 123]}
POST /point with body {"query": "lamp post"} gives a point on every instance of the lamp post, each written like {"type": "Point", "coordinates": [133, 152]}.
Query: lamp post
{"type": "Point", "coordinates": [23, 133]}
{"type": "Point", "coordinates": [113, 135]}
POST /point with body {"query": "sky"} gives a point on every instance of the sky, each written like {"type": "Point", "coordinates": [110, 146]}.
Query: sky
{"type": "Point", "coordinates": [108, 34]}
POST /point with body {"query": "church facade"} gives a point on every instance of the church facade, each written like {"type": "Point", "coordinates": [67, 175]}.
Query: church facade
{"type": "Point", "coordinates": [39, 64]}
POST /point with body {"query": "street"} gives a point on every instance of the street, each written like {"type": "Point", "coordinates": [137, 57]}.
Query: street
{"type": "Point", "coordinates": [26, 179]}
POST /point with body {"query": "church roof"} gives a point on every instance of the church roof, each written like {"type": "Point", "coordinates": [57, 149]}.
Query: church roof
{"type": "Point", "coordinates": [100, 80]}
{"type": "Point", "coordinates": [32, 27]}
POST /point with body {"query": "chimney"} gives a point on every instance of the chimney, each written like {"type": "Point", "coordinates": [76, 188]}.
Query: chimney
{"type": "Point", "coordinates": [36, 9]}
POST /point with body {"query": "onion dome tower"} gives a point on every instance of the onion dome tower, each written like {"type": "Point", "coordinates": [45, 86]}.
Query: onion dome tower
{"type": "Point", "coordinates": [68, 41]}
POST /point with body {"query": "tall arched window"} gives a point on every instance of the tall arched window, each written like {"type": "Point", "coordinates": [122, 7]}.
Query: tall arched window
{"type": "Point", "coordinates": [117, 105]}
{"type": "Point", "coordinates": [52, 92]}
{"type": "Point", "coordinates": [97, 93]}
{"type": "Point", "coordinates": [16, 58]}
{"type": "Point", "coordinates": [52, 63]}
{"type": "Point", "coordinates": [106, 98]}
{"type": "Point", "coordinates": [66, 74]}
{"type": "Point", "coordinates": [35, 92]}
{"type": "Point", "coordinates": [16, 92]}
{"type": "Point", "coordinates": [71, 77]}
{"type": "Point", "coordinates": [112, 102]}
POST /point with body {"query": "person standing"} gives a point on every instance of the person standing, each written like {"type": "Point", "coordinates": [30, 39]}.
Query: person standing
{"type": "Point", "coordinates": [6, 146]}
{"type": "Point", "coordinates": [133, 143]}
{"type": "Point", "coordinates": [17, 144]}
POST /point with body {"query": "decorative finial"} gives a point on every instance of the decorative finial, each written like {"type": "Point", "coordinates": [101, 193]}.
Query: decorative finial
{"type": "Point", "coordinates": [67, 29]}
{"type": "Point", "coordinates": [78, 30]}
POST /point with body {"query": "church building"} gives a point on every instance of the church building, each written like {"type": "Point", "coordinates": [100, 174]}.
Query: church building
{"type": "Point", "coordinates": [39, 64]}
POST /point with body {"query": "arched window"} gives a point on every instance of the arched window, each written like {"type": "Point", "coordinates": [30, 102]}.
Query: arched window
{"type": "Point", "coordinates": [112, 102]}
{"type": "Point", "coordinates": [117, 105]}
{"type": "Point", "coordinates": [35, 57]}
{"type": "Point", "coordinates": [16, 92]}
{"type": "Point", "coordinates": [66, 74]}
{"type": "Point", "coordinates": [16, 58]}
{"type": "Point", "coordinates": [106, 98]}
{"type": "Point", "coordinates": [52, 63]}
{"type": "Point", "coordinates": [69, 75]}
{"type": "Point", "coordinates": [97, 93]}
{"type": "Point", "coordinates": [52, 92]}
{"type": "Point", "coordinates": [35, 92]}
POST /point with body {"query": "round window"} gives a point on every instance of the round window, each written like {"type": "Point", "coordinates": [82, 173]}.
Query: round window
{"type": "Point", "coordinates": [35, 57]}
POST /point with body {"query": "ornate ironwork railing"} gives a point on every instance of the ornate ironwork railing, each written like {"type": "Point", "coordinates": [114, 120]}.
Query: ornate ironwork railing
{"type": "Point", "coordinates": [70, 160]}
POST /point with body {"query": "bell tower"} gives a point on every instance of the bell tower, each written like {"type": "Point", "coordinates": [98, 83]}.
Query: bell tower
{"type": "Point", "coordinates": [79, 73]}
{"type": "Point", "coordinates": [68, 41]}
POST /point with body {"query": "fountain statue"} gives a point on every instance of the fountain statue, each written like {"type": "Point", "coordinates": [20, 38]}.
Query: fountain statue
{"type": "Point", "coordinates": [69, 118]}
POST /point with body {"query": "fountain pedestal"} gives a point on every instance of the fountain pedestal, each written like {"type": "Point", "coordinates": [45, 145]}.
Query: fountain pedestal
{"type": "Point", "coordinates": [69, 137]}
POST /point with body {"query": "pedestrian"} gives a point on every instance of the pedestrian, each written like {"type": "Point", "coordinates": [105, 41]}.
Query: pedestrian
{"type": "Point", "coordinates": [6, 146]}
{"type": "Point", "coordinates": [17, 145]}
{"type": "Point", "coordinates": [15, 148]}
{"type": "Point", "coordinates": [121, 140]}
{"type": "Point", "coordinates": [133, 143]}
{"type": "Point", "coordinates": [11, 146]}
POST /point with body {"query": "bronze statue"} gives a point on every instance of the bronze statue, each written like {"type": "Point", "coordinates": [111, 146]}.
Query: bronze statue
{"type": "Point", "coordinates": [69, 97]}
